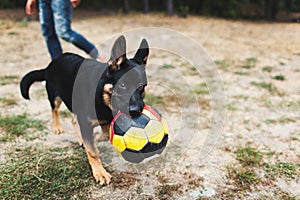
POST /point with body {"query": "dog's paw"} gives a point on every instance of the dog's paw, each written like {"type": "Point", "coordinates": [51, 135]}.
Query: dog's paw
{"type": "Point", "coordinates": [102, 176]}
{"type": "Point", "coordinates": [58, 130]}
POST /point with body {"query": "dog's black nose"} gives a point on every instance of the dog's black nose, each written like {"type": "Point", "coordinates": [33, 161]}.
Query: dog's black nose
{"type": "Point", "coordinates": [134, 111]}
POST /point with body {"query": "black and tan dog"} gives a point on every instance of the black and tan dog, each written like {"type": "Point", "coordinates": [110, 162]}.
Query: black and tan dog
{"type": "Point", "coordinates": [94, 92]}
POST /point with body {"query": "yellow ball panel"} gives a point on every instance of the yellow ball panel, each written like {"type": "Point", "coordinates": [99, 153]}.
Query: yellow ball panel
{"type": "Point", "coordinates": [149, 114]}
{"type": "Point", "coordinates": [166, 128]}
{"type": "Point", "coordinates": [135, 138]}
{"type": "Point", "coordinates": [118, 143]}
{"type": "Point", "coordinates": [155, 131]}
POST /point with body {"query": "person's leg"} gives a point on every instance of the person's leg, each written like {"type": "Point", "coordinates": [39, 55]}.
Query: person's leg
{"type": "Point", "coordinates": [48, 31]}
{"type": "Point", "coordinates": [62, 11]}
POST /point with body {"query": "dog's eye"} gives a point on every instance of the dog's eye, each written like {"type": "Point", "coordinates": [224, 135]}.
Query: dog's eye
{"type": "Point", "coordinates": [142, 88]}
{"type": "Point", "coordinates": [123, 85]}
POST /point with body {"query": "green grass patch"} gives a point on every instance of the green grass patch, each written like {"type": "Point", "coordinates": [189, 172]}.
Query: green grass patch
{"type": "Point", "coordinates": [8, 101]}
{"type": "Point", "coordinates": [241, 73]}
{"type": "Point", "coordinates": [285, 120]}
{"type": "Point", "coordinates": [190, 70]}
{"type": "Point", "coordinates": [201, 89]}
{"type": "Point", "coordinates": [243, 174]}
{"type": "Point", "coordinates": [13, 33]}
{"type": "Point", "coordinates": [249, 63]}
{"type": "Point", "coordinates": [18, 125]}
{"type": "Point", "coordinates": [167, 66]}
{"type": "Point", "coordinates": [267, 69]}
{"type": "Point", "coordinates": [252, 171]}
{"type": "Point", "coordinates": [248, 156]}
{"type": "Point", "coordinates": [281, 120]}
{"type": "Point", "coordinates": [23, 23]}
{"type": "Point", "coordinates": [152, 99]}
{"type": "Point", "coordinates": [223, 64]}
{"type": "Point", "coordinates": [291, 105]}
{"type": "Point", "coordinates": [231, 107]}
{"type": "Point", "coordinates": [243, 178]}
{"type": "Point", "coordinates": [279, 77]}
{"type": "Point", "coordinates": [65, 113]}
{"type": "Point", "coordinates": [46, 174]}
{"type": "Point", "coordinates": [283, 169]}
{"type": "Point", "coordinates": [9, 79]}
{"type": "Point", "coordinates": [251, 60]}
{"type": "Point", "coordinates": [166, 191]}
{"type": "Point", "coordinates": [283, 195]}
{"type": "Point", "coordinates": [267, 86]}
{"type": "Point", "coordinates": [247, 66]}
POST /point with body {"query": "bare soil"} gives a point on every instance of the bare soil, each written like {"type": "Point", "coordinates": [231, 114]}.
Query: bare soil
{"type": "Point", "coordinates": [268, 119]}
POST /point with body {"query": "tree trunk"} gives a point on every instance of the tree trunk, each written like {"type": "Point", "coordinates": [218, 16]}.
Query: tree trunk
{"type": "Point", "coordinates": [267, 9]}
{"type": "Point", "coordinates": [170, 7]}
{"type": "Point", "coordinates": [126, 6]}
{"type": "Point", "coordinates": [288, 6]}
{"type": "Point", "coordinates": [274, 9]}
{"type": "Point", "coordinates": [271, 9]}
{"type": "Point", "coordinates": [146, 6]}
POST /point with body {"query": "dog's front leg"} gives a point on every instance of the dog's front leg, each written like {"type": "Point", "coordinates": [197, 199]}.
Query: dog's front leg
{"type": "Point", "coordinates": [99, 173]}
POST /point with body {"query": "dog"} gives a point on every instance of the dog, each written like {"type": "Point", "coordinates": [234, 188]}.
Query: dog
{"type": "Point", "coordinates": [94, 92]}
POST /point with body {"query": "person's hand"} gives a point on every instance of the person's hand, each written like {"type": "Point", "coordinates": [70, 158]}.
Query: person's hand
{"type": "Point", "coordinates": [30, 7]}
{"type": "Point", "coordinates": [75, 3]}
{"type": "Point", "coordinates": [102, 59]}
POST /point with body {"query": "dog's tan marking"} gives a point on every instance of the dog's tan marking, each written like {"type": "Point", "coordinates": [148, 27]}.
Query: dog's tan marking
{"type": "Point", "coordinates": [77, 130]}
{"type": "Point", "coordinates": [107, 91]}
{"type": "Point", "coordinates": [104, 136]}
{"type": "Point", "coordinates": [99, 173]}
{"type": "Point", "coordinates": [119, 61]}
{"type": "Point", "coordinates": [57, 128]}
{"type": "Point", "coordinates": [105, 133]}
{"type": "Point", "coordinates": [94, 122]}
{"type": "Point", "coordinates": [110, 63]}
{"type": "Point", "coordinates": [115, 64]}
{"type": "Point", "coordinates": [146, 58]}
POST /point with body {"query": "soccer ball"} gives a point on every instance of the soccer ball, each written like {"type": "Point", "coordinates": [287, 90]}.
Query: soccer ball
{"type": "Point", "coordinates": [141, 137]}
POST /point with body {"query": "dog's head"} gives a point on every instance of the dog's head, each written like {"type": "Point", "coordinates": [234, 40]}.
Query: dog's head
{"type": "Point", "coordinates": [124, 90]}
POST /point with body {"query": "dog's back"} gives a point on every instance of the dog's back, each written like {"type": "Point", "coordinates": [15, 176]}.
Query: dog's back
{"type": "Point", "coordinates": [59, 76]}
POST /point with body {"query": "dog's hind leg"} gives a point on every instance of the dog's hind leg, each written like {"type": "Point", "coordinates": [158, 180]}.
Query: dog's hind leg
{"type": "Point", "coordinates": [77, 130]}
{"type": "Point", "coordinates": [55, 102]}
{"type": "Point", "coordinates": [57, 128]}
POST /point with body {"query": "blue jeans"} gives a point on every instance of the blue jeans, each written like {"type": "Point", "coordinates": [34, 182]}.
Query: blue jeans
{"type": "Point", "coordinates": [55, 19]}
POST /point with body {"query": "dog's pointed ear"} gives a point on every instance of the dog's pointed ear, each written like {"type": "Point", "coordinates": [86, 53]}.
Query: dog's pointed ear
{"type": "Point", "coordinates": [118, 54]}
{"type": "Point", "coordinates": [142, 53]}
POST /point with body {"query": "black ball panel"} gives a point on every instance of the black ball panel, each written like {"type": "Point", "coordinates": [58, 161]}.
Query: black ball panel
{"type": "Point", "coordinates": [149, 150]}
{"type": "Point", "coordinates": [132, 156]}
{"type": "Point", "coordinates": [140, 121]}
{"type": "Point", "coordinates": [122, 124]}
{"type": "Point", "coordinates": [153, 147]}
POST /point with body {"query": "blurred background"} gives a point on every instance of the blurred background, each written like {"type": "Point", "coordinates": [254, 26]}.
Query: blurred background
{"type": "Point", "coordinates": [255, 46]}
{"type": "Point", "coordinates": [283, 10]}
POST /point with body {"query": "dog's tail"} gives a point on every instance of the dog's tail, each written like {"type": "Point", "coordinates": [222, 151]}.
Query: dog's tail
{"type": "Point", "coordinates": [29, 79]}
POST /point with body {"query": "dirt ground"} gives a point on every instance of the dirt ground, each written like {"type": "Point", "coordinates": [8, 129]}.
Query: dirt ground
{"type": "Point", "coordinates": [258, 62]}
